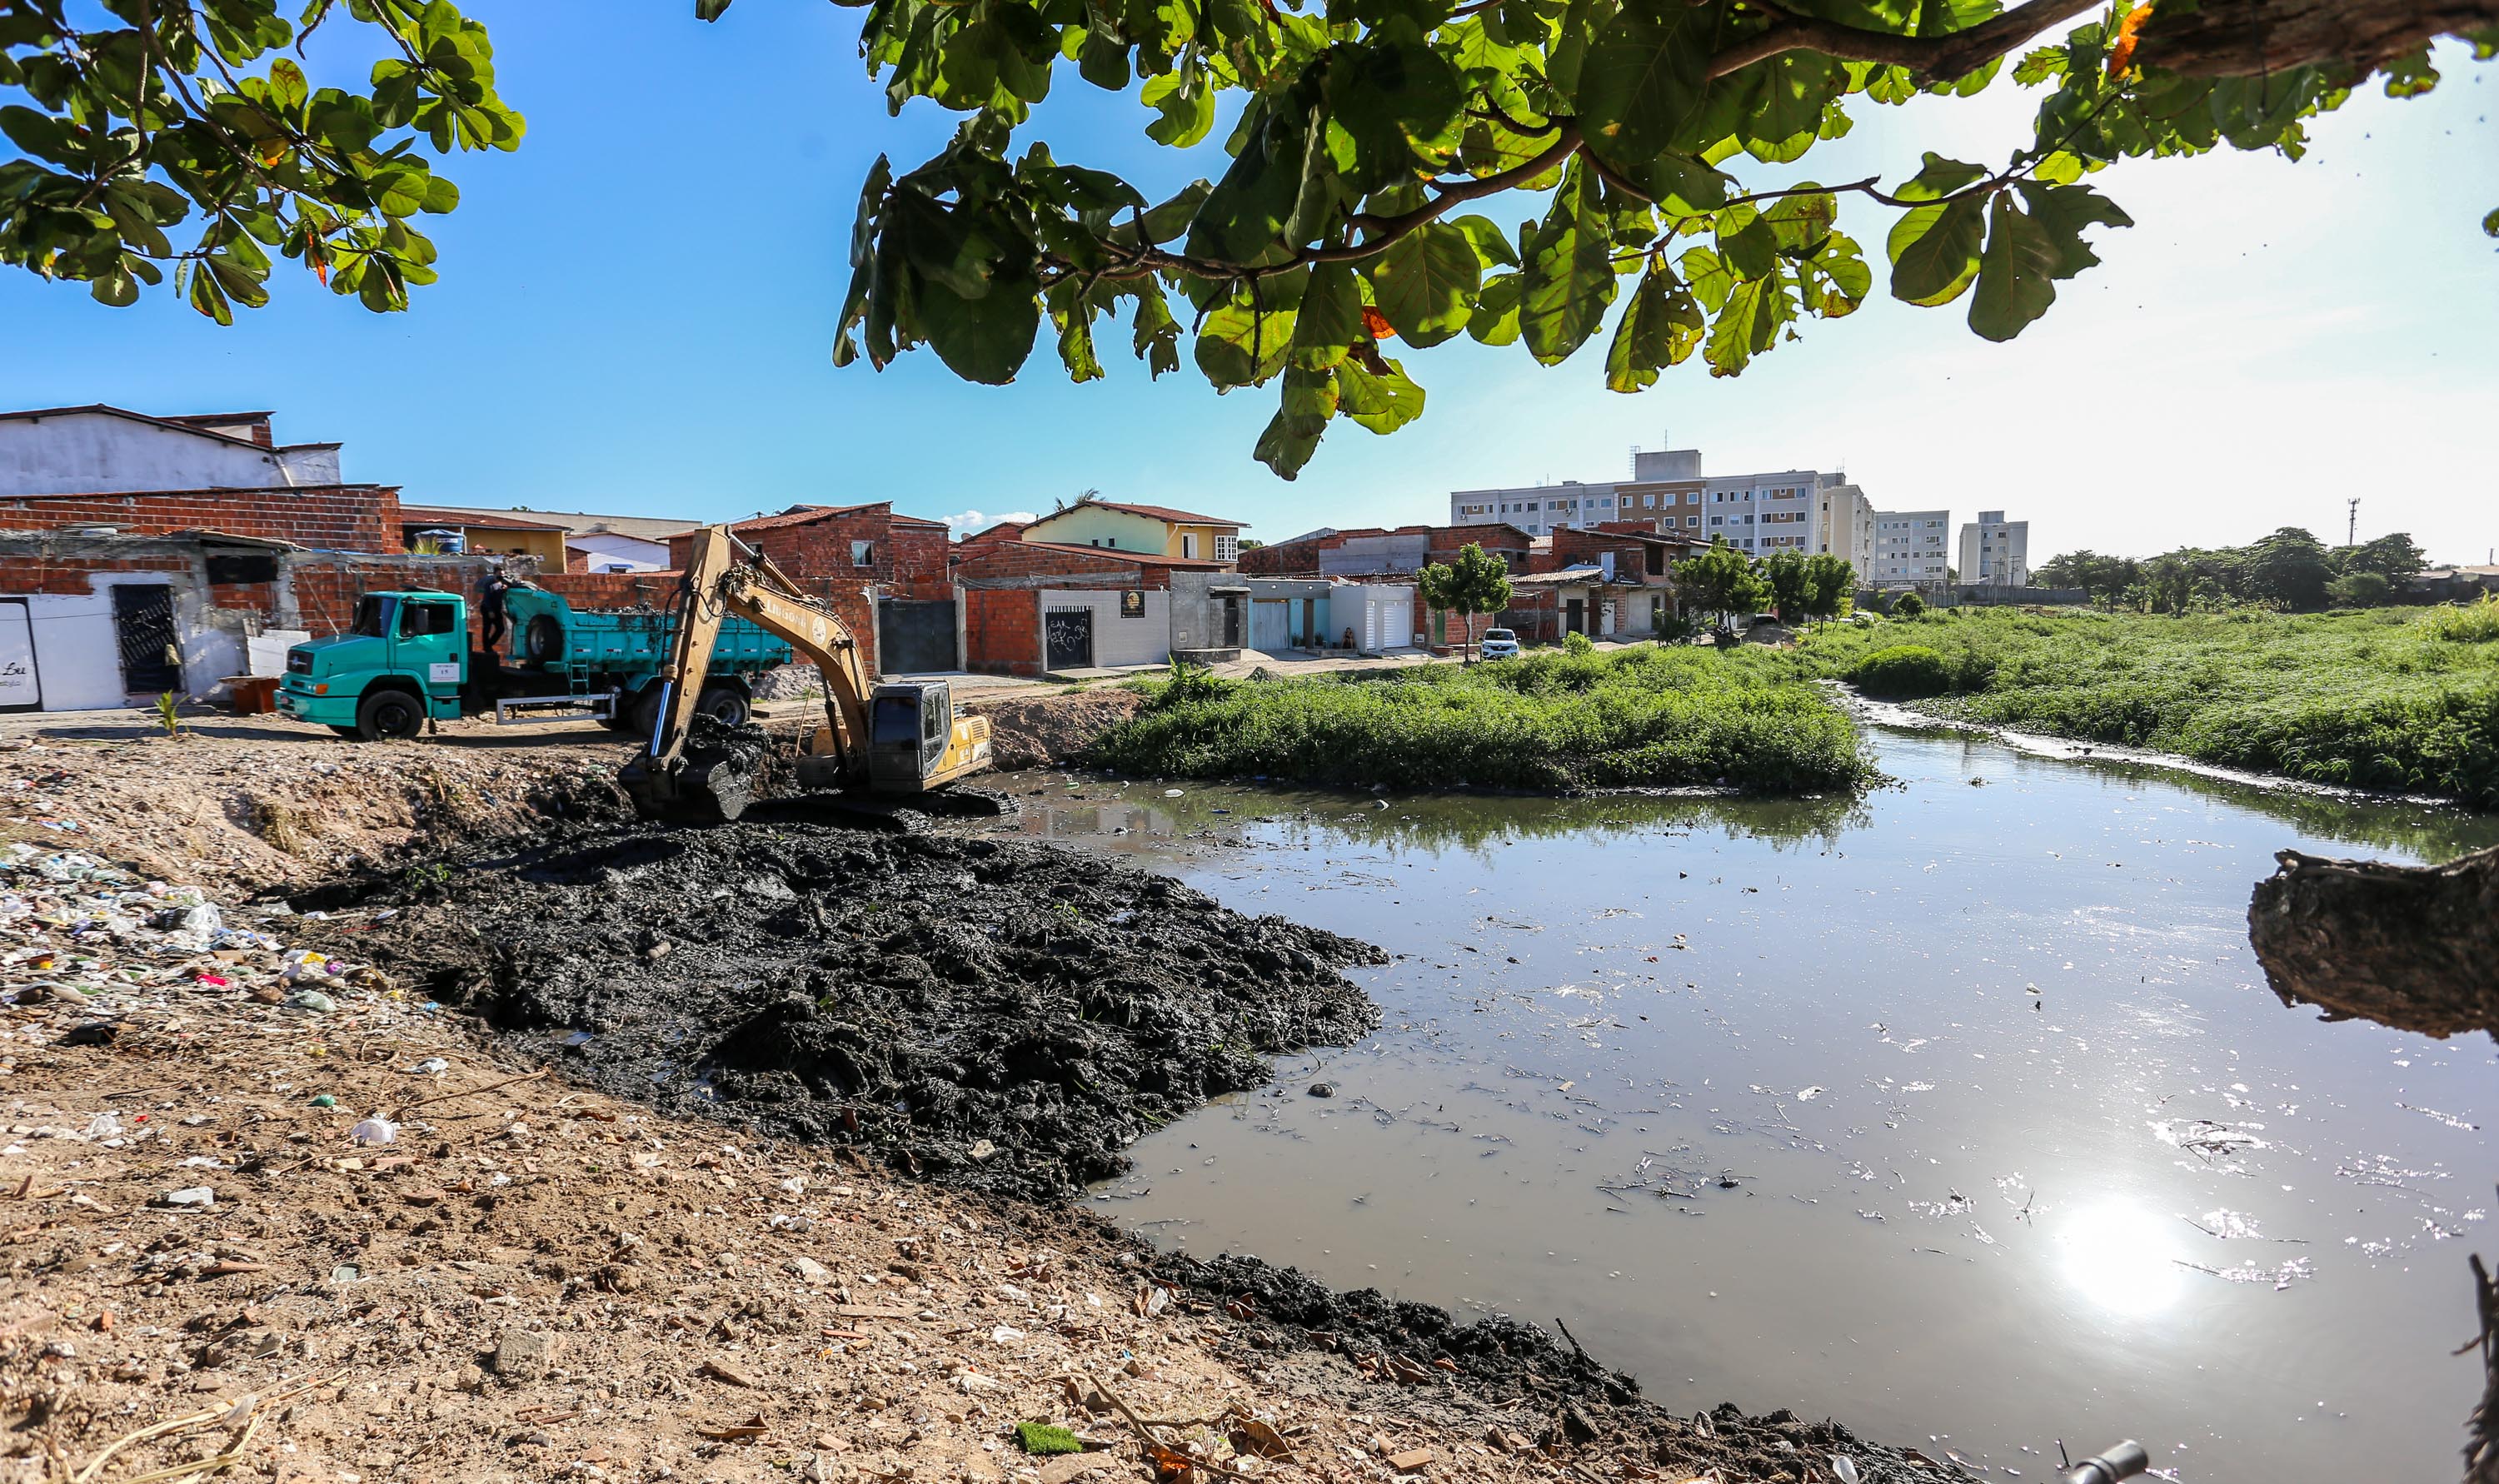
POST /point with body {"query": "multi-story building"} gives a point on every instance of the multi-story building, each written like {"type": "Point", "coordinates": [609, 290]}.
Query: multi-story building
{"type": "Point", "coordinates": [1996, 550]}
{"type": "Point", "coordinates": [1847, 525]}
{"type": "Point", "coordinates": [1668, 495]}
{"type": "Point", "coordinates": [1910, 548]}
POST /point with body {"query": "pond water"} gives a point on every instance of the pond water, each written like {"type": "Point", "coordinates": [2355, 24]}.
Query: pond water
{"type": "Point", "coordinates": [1960, 1112]}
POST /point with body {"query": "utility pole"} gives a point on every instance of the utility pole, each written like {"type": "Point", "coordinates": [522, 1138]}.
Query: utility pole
{"type": "Point", "coordinates": [2352, 521]}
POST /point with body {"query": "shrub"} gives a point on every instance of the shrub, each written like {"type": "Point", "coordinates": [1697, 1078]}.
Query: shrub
{"type": "Point", "coordinates": [1551, 721]}
{"type": "Point", "coordinates": [1908, 606]}
{"type": "Point", "coordinates": [2472, 624]}
{"type": "Point", "coordinates": [1578, 643]}
{"type": "Point", "coordinates": [1902, 672]}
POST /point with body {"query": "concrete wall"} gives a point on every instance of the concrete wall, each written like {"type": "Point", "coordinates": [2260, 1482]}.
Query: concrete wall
{"type": "Point", "coordinates": [601, 550]}
{"type": "Point", "coordinates": [1117, 641]}
{"type": "Point", "coordinates": [96, 452]}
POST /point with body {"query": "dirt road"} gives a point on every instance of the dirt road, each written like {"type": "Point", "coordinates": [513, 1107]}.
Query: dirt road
{"type": "Point", "coordinates": [290, 1213]}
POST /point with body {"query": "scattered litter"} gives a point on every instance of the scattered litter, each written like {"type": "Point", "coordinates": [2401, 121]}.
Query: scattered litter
{"type": "Point", "coordinates": [374, 1130]}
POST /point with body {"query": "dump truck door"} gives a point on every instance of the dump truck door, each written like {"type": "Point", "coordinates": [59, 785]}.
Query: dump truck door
{"type": "Point", "coordinates": [431, 642]}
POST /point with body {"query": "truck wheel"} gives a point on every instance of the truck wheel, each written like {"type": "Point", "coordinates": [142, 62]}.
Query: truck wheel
{"type": "Point", "coordinates": [544, 640]}
{"type": "Point", "coordinates": [726, 704]}
{"type": "Point", "coordinates": [643, 719]}
{"type": "Point", "coordinates": [389, 714]}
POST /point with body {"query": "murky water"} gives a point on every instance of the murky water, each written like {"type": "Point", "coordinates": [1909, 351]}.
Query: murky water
{"type": "Point", "coordinates": [1957, 1111]}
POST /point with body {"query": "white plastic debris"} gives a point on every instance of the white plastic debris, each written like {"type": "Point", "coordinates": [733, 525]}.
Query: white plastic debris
{"type": "Point", "coordinates": [105, 1125]}
{"type": "Point", "coordinates": [374, 1130]}
{"type": "Point", "coordinates": [430, 1066]}
{"type": "Point", "coordinates": [196, 1197]}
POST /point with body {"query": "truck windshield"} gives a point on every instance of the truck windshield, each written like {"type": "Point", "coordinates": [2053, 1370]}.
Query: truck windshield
{"type": "Point", "coordinates": [372, 616]}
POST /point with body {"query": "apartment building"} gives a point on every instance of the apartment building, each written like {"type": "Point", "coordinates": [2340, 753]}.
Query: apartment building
{"type": "Point", "coordinates": [1668, 493]}
{"type": "Point", "coordinates": [1910, 548]}
{"type": "Point", "coordinates": [1847, 525]}
{"type": "Point", "coordinates": [1996, 550]}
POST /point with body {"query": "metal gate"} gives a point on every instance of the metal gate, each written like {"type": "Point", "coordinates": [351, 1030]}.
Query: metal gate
{"type": "Point", "coordinates": [915, 636]}
{"type": "Point", "coordinates": [22, 688]}
{"type": "Point", "coordinates": [1067, 638]}
{"type": "Point", "coordinates": [142, 623]}
{"type": "Point", "coordinates": [1270, 622]}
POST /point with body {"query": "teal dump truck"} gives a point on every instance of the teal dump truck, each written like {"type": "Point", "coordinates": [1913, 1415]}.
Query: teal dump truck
{"type": "Point", "coordinates": [406, 661]}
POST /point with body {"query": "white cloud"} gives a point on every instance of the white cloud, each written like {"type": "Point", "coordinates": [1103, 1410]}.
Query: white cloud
{"type": "Point", "coordinates": [970, 521]}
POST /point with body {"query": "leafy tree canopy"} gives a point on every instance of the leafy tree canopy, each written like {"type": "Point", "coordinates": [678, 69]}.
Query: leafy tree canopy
{"type": "Point", "coordinates": [1346, 213]}
{"type": "Point", "coordinates": [1474, 582]}
{"type": "Point", "coordinates": [190, 117]}
{"type": "Point", "coordinates": [1721, 580]}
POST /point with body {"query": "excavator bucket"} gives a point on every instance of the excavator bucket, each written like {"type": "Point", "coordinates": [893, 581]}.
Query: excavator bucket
{"type": "Point", "coordinates": [711, 780]}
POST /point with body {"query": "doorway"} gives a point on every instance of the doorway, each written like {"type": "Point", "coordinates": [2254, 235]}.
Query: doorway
{"type": "Point", "coordinates": [143, 627]}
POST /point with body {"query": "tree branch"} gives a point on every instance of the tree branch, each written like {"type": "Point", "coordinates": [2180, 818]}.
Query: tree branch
{"type": "Point", "coordinates": [1932, 58]}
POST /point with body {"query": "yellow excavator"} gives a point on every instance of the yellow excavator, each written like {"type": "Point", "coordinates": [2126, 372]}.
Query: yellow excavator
{"type": "Point", "coordinates": [892, 739]}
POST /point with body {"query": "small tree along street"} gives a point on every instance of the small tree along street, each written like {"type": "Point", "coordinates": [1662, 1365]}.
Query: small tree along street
{"type": "Point", "coordinates": [1346, 208]}
{"type": "Point", "coordinates": [1475, 582]}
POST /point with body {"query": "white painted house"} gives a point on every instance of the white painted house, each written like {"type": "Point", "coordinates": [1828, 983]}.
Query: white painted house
{"type": "Point", "coordinates": [102, 450]}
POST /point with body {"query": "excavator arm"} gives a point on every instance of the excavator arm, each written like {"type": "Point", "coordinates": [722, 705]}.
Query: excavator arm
{"type": "Point", "coordinates": [724, 580]}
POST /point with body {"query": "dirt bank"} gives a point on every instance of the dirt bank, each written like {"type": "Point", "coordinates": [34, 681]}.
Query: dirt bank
{"type": "Point", "coordinates": [986, 1013]}
{"type": "Point", "coordinates": [1033, 732]}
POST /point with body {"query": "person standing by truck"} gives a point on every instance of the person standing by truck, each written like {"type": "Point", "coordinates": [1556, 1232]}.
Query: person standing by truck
{"type": "Point", "coordinates": [492, 619]}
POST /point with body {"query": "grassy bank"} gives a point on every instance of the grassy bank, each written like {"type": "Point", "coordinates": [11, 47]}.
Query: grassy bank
{"type": "Point", "coordinates": [1553, 720]}
{"type": "Point", "coordinates": [2382, 698]}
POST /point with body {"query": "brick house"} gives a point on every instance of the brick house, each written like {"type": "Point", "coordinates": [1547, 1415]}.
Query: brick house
{"type": "Point", "coordinates": [1112, 607]}
{"type": "Point", "coordinates": [884, 575]}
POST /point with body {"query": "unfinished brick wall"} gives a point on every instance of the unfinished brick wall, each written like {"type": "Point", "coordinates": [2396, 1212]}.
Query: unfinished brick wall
{"type": "Point", "coordinates": [1011, 559]}
{"type": "Point", "coordinates": [917, 557]}
{"type": "Point", "coordinates": [609, 590]}
{"type": "Point", "coordinates": [343, 517]}
{"type": "Point", "coordinates": [1588, 548]}
{"type": "Point", "coordinates": [1002, 630]}
{"type": "Point", "coordinates": [69, 575]}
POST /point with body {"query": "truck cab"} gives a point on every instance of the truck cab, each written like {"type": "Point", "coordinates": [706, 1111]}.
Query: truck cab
{"type": "Point", "coordinates": [403, 661]}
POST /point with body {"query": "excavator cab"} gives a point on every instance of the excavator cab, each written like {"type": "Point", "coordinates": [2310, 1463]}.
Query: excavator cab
{"type": "Point", "coordinates": [897, 738]}
{"type": "Point", "coordinates": [916, 742]}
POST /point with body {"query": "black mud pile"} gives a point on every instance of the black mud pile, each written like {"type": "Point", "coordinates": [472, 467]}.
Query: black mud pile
{"type": "Point", "coordinates": [992, 1014]}
{"type": "Point", "coordinates": [1420, 1351]}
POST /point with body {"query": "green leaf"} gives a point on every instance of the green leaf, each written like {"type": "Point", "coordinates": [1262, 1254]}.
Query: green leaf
{"type": "Point", "coordinates": [1752, 250]}
{"type": "Point", "coordinates": [1495, 321]}
{"type": "Point", "coordinates": [2016, 276]}
{"type": "Point", "coordinates": [1285, 447]}
{"type": "Point", "coordinates": [1642, 340]}
{"type": "Point", "coordinates": [1640, 86]}
{"type": "Point", "coordinates": [1237, 347]}
{"type": "Point", "coordinates": [1330, 317]}
{"type": "Point", "coordinates": [1158, 334]}
{"type": "Point", "coordinates": [1186, 101]}
{"type": "Point", "coordinates": [209, 299]}
{"type": "Point", "coordinates": [1492, 244]}
{"type": "Point", "coordinates": [1749, 325]}
{"type": "Point", "coordinates": [983, 339]}
{"type": "Point", "coordinates": [1935, 251]}
{"type": "Point", "coordinates": [1787, 114]}
{"type": "Point", "coordinates": [2062, 211]}
{"type": "Point", "coordinates": [2490, 224]}
{"type": "Point", "coordinates": [1076, 346]}
{"type": "Point", "coordinates": [1425, 284]}
{"type": "Point", "coordinates": [710, 10]}
{"type": "Point", "coordinates": [1570, 272]}
{"type": "Point", "coordinates": [1243, 218]}
{"type": "Point", "coordinates": [1392, 98]}
{"type": "Point", "coordinates": [1380, 400]}
{"type": "Point", "coordinates": [1939, 177]}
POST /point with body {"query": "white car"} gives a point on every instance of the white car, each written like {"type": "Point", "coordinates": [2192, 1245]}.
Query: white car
{"type": "Point", "coordinates": [1498, 644]}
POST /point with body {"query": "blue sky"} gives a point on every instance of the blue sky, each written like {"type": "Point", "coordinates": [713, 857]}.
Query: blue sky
{"type": "Point", "coordinates": [636, 308]}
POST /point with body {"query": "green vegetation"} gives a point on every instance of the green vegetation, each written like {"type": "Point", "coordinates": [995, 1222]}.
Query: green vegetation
{"type": "Point", "coordinates": [1042, 1438]}
{"type": "Point", "coordinates": [1902, 672]}
{"type": "Point", "coordinates": [2478, 623]}
{"type": "Point", "coordinates": [1555, 720]}
{"type": "Point", "coordinates": [2290, 568]}
{"type": "Point", "coordinates": [1908, 606]}
{"type": "Point", "coordinates": [1474, 583]}
{"type": "Point", "coordinates": [2381, 699]}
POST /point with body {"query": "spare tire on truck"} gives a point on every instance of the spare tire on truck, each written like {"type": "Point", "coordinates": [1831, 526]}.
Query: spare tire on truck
{"type": "Point", "coordinates": [544, 640]}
